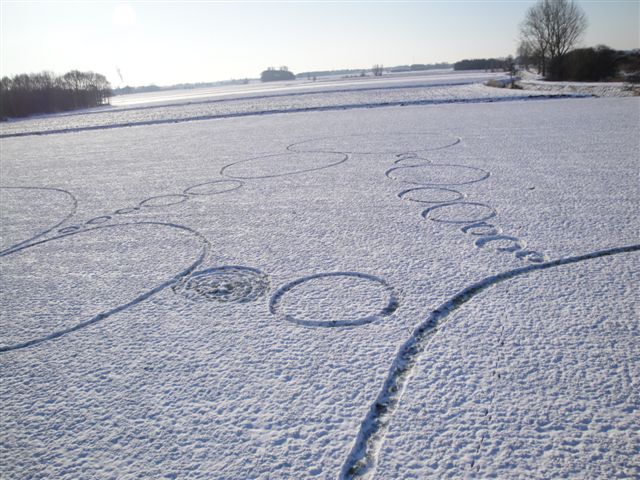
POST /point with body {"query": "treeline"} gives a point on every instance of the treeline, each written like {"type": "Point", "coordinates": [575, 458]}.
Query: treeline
{"type": "Point", "coordinates": [482, 64]}
{"type": "Point", "coordinates": [142, 89]}
{"type": "Point", "coordinates": [595, 64]}
{"type": "Point", "coordinates": [28, 94]}
{"type": "Point", "coordinates": [417, 67]}
{"type": "Point", "coordinates": [322, 73]}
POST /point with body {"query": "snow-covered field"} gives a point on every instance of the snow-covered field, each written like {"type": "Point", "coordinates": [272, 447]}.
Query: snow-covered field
{"type": "Point", "coordinates": [598, 89]}
{"type": "Point", "coordinates": [298, 97]}
{"type": "Point", "coordinates": [421, 291]}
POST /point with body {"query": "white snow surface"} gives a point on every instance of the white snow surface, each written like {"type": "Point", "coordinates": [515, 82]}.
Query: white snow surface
{"type": "Point", "coordinates": [227, 298]}
{"type": "Point", "coordinates": [200, 104]}
{"type": "Point", "coordinates": [598, 89]}
{"type": "Point", "coordinates": [328, 83]}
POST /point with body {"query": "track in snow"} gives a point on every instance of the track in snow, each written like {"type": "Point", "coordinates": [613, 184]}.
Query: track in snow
{"type": "Point", "coordinates": [205, 247]}
{"type": "Point", "coordinates": [437, 174]}
{"type": "Point", "coordinates": [375, 286]}
{"type": "Point", "coordinates": [376, 143]}
{"type": "Point", "coordinates": [196, 118]}
{"type": "Point", "coordinates": [226, 284]}
{"type": "Point", "coordinates": [431, 195]}
{"type": "Point", "coordinates": [71, 212]}
{"type": "Point", "coordinates": [291, 163]}
{"type": "Point", "coordinates": [362, 460]}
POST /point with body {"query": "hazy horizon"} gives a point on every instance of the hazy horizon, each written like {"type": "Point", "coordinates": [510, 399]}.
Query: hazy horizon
{"type": "Point", "coordinates": [168, 43]}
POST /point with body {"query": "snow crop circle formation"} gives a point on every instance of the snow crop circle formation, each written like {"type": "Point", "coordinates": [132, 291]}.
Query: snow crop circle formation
{"type": "Point", "coordinates": [320, 300]}
{"type": "Point", "coordinates": [376, 143]}
{"type": "Point", "coordinates": [65, 273]}
{"type": "Point", "coordinates": [228, 284]}
{"type": "Point", "coordinates": [333, 299]}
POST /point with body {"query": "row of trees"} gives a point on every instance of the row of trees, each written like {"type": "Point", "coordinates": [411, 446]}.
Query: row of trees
{"type": "Point", "coordinates": [584, 64]}
{"type": "Point", "coordinates": [595, 64]}
{"type": "Point", "coordinates": [482, 64]}
{"type": "Point", "coordinates": [28, 94]}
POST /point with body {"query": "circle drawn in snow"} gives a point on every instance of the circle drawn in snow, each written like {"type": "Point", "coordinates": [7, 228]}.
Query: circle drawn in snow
{"type": "Point", "coordinates": [98, 220]}
{"type": "Point", "coordinates": [69, 229]}
{"type": "Point", "coordinates": [226, 284]}
{"type": "Point", "coordinates": [411, 159]}
{"type": "Point", "coordinates": [282, 164]}
{"type": "Point", "coordinates": [513, 243]}
{"type": "Point", "coordinates": [532, 256]}
{"type": "Point", "coordinates": [214, 187]}
{"type": "Point", "coordinates": [431, 195]}
{"type": "Point", "coordinates": [459, 212]}
{"type": "Point", "coordinates": [361, 291]}
{"type": "Point", "coordinates": [432, 174]}
{"type": "Point", "coordinates": [164, 200]}
{"type": "Point", "coordinates": [378, 143]}
{"type": "Point", "coordinates": [481, 229]}
{"type": "Point", "coordinates": [126, 210]}
{"type": "Point", "coordinates": [99, 296]}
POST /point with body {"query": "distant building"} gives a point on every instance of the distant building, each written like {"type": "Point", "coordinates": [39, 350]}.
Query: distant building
{"type": "Point", "coordinates": [273, 75]}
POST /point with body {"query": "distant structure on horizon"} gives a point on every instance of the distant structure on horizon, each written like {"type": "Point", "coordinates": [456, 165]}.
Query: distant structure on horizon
{"type": "Point", "coordinates": [273, 75]}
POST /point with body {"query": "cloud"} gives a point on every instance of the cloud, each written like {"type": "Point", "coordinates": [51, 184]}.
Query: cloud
{"type": "Point", "coordinates": [124, 16]}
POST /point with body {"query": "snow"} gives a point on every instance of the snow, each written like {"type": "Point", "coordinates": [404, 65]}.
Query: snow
{"type": "Point", "coordinates": [267, 104]}
{"type": "Point", "coordinates": [598, 89]}
{"type": "Point", "coordinates": [230, 298]}
{"type": "Point", "coordinates": [505, 385]}
{"type": "Point", "coordinates": [327, 84]}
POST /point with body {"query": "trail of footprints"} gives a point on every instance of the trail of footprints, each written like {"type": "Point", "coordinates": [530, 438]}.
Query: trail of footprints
{"type": "Point", "coordinates": [489, 412]}
{"type": "Point", "coordinates": [448, 206]}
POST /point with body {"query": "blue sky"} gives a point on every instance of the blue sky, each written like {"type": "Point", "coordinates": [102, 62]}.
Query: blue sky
{"type": "Point", "coordinates": [171, 42]}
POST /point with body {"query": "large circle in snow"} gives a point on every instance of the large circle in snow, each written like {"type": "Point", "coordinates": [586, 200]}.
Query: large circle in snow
{"type": "Point", "coordinates": [282, 164]}
{"type": "Point", "coordinates": [378, 143]}
{"type": "Point", "coordinates": [334, 299]}
{"type": "Point", "coordinates": [460, 212]}
{"type": "Point", "coordinates": [214, 187]}
{"type": "Point", "coordinates": [437, 174]}
{"type": "Point", "coordinates": [430, 195]}
{"type": "Point", "coordinates": [65, 283]}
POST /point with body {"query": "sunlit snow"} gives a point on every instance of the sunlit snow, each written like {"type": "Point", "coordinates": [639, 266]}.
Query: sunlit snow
{"type": "Point", "coordinates": [296, 286]}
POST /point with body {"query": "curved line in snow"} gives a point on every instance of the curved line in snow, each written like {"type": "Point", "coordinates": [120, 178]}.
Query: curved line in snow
{"type": "Point", "coordinates": [363, 457]}
{"type": "Point", "coordinates": [70, 214]}
{"type": "Point", "coordinates": [107, 313]}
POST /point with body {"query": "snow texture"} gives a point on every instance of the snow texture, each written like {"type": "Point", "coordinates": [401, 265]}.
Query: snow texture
{"type": "Point", "coordinates": [598, 89]}
{"type": "Point", "coordinates": [427, 291]}
{"type": "Point", "coordinates": [449, 91]}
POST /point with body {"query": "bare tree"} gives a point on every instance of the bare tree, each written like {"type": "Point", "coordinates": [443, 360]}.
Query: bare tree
{"type": "Point", "coordinates": [551, 28]}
